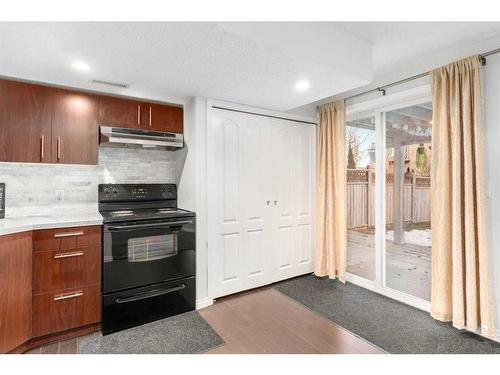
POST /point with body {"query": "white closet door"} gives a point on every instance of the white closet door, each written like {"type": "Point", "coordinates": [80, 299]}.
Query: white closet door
{"type": "Point", "coordinates": [304, 209]}
{"type": "Point", "coordinates": [284, 135]}
{"type": "Point", "coordinates": [238, 222]}
{"type": "Point", "coordinates": [255, 194]}
{"type": "Point", "coordinates": [293, 187]}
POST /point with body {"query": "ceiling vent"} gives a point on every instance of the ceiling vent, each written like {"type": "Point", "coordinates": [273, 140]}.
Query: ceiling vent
{"type": "Point", "coordinates": [108, 83]}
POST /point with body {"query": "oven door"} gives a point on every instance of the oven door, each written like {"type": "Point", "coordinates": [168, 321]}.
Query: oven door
{"type": "Point", "coordinates": [143, 253]}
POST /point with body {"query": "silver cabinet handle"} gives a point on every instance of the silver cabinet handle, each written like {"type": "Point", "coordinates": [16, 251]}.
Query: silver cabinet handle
{"type": "Point", "coordinates": [275, 203]}
{"type": "Point", "coordinates": [150, 122]}
{"type": "Point", "coordinates": [267, 202]}
{"type": "Point", "coordinates": [58, 148]}
{"type": "Point", "coordinates": [138, 114]}
{"type": "Point", "coordinates": [69, 255]}
{"type": "Point", "coordinates": [42, 146]}
{"type": "Point", "coordinates": [68, 296]}
{"type": "Point", "coordinates": [68, 234]}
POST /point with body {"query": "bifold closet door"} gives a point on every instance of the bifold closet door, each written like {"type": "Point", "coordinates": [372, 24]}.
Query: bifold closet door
{"type": "Point", "coordinates": [293, 166]}
{"type": "Point", "coordinates": [239, 228]}
{"type": "Point", "coordinates": [260, 200]}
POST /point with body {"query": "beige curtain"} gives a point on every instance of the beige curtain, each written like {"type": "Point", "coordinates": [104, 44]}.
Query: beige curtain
{"type": "Point", "coordinates": [331, 223]}
{"type": "Point", "coordinates": [461, 290]}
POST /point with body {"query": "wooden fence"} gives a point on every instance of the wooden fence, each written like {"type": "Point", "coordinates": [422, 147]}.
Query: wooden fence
{"type": "Point", "coordinates": [361, 198]}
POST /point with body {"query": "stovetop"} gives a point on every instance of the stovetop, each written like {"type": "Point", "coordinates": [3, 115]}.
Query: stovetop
{"type": "Point", "coordinates": [134, 202]}
{"type": "Point", "coordinates": [145, 214]}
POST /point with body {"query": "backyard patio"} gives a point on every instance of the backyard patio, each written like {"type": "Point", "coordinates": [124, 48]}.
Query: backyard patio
{"type": "Point", "coordinates": [408, 266]}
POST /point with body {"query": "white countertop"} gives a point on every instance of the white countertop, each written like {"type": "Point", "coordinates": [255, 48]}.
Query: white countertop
{"type": "Point", "coordinates": [49, 218]}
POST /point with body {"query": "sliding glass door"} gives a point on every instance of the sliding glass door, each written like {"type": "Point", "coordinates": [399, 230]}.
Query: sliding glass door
{"type": "Point", "coordinates": [360, 170]}
{"type": "Point", "coordinates": [408, 132]}
{"type": "Point", "coordinates": [389, 219]}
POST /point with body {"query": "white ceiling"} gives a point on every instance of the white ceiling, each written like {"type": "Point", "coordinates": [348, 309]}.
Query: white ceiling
{"type": "Point", "coordinates": [250, 63]}
{"type": "Point", "coordinates": [396, 44]}
{"type": "Point", "coordinates": [404, 49]}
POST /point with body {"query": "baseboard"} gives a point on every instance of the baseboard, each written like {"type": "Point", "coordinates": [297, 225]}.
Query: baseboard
{"type": "Point", "coordinates": [35, 342]}
{"type": "Point", "coordinates": [204, 302]}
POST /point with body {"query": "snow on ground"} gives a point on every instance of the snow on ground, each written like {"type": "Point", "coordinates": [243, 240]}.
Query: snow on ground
{"type": "Point", "coordinates": [414, 237]}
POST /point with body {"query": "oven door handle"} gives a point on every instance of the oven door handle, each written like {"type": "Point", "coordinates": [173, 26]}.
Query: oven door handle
{"type": "Point", "coordinates": [149, 294]}
{"type": "Point", "coordinates": [154, 225]}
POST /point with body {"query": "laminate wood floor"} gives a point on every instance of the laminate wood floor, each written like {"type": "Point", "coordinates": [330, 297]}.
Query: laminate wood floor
{"type": "Point", "coordinates": [263, 321]}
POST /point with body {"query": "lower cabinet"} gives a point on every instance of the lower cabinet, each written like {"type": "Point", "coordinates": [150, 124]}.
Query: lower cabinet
{"type": "Point", "coordinates": [66, 279]}
{"type": "Point", "coordinates": [63, 310]}
{"type": "Point", "coordinates": [15, 289]}
{"type": "Point", "coordinates": [50, 283]}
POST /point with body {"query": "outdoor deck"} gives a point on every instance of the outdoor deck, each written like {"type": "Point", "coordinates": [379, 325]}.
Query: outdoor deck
{"type": "Point", "coordinates": [408, 266]}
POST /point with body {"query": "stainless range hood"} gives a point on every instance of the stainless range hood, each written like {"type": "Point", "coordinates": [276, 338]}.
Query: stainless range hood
{"type": "Point", "coordinates": [146, 138]}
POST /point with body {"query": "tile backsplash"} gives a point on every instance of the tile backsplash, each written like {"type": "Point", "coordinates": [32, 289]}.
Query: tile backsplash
{"type": "Point", "coordinates": [35, 184]}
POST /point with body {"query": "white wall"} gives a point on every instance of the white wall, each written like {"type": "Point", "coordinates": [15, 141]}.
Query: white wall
{"type": "Point", "coordinates": [192, 187]}
{"type": "Point", "coordinates": [492, 125]}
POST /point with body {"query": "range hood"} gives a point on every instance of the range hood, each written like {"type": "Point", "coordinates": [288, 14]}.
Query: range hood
{"type": "Point", "coordinates": [146, 138]}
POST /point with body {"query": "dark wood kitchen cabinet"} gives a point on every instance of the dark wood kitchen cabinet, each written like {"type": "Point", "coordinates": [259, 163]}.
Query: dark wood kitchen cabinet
{"type": "Point", "coordinates": [66, 279]}
{"type": "Point", "coordinates": [50, 286]}
{"type": "Point", "coordinates": [122, 113]}
{"type": "Point", "coordinates": [25, 121]}
{"type": "Point", "coordinates": [16, 263]}
{"type": "Point", "coordinates": [75, 131]}
{"type": "Point", "coordinates": [127, 113]}
{"type": "Point", "coordinates": [166, 118]}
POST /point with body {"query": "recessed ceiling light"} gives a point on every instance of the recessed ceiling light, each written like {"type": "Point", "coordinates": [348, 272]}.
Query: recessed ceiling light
{"type": "Point", "coordinates": [80, 65]}
{"type": "Point", "coordinates": [302, 85]}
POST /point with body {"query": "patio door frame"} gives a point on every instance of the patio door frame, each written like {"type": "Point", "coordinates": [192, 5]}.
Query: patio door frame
{"type": "Point", "coordinates": [380, 106]}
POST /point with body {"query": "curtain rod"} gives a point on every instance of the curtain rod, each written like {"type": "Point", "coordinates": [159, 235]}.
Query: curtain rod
{"type": "Point", "coordinates": [263, 115]}
{"type": "Point", "coordinates": [383, 88]}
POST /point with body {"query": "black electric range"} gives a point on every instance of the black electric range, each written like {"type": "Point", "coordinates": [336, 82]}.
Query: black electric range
{"type": "Point", "coordinates": [149, 254]}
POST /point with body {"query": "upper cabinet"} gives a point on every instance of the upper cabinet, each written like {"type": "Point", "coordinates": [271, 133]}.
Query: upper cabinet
{"type": "Point", "coordinates": [121, 113]}
{"type": "Point", "coordinates": [166, 118]}
{"type": "Point", "coordinates": [126, 113]}
{"type": "Point", "coordinates": [75, 133]}
{"type": "Point", "coordinates": [41, 124]}
{"type": "Point", "coordinates": [25, 120]}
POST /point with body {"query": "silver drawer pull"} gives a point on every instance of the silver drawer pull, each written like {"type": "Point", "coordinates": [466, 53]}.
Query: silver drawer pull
{"type": "Point", "coordinates": [68, 296]}
{"type": "Point", "coordinates": [68, 255]}
{"type": "Point", "coordinates": [69, 234]}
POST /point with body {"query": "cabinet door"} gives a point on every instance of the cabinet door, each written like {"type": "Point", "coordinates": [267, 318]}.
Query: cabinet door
{"type": "Point", "coordinates": [74, 127]}
{"type": "Point", "coordinates": [165, 118]}
{"type": "Point", "coordinates": [121, 113]}
{"type": "Point", "coordinates": [25, 121]}
{"type": "Point", "coordinates": [15, 297]}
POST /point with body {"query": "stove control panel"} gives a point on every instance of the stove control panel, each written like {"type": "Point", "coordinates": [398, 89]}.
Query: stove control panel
{"type": "Point", "coordinates": [136, 192]}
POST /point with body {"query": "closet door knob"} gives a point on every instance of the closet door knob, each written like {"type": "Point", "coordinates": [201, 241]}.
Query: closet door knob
{"type": "Point", "coordinates": [268, 202]}
{"type": "Point", "coordinates": [275, 203]}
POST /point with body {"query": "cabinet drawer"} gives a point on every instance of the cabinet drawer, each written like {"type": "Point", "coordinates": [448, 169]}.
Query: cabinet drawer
{"type": "Point", "coordinates": [67, 238]}
{"type": "Point", "coordinates": [59, 311]}
{"type": "Point", "coordinates": [64, 269]}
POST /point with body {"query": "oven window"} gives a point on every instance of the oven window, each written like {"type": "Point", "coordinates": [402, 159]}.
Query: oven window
{"type": "Point", "coordinates": [145, 249]}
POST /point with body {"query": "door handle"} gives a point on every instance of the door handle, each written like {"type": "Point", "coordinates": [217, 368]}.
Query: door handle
{"type": "Point", "coordinates": [139, 114]}
{"type": "Point", "coordinates": [68, 255]}
{"type": "Point", "coordinates": [150, 122]}
{"type": "Point", "coordinates": [58, 148]}
{"type": "Point", "coordinates": [268, 201]}
{"type": "Point", "coordinates": [68, 296]}
{"type": "Point", "coordinates": [68, 234]}
{"type": "Point", "coordinates": [275, 203]}
{"type": "Point", "coordinates": [42, 146]}
{"type": "Point", "coordinates": [154, 225]}
{"type": "Point", "coordinates": [149, 294]}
